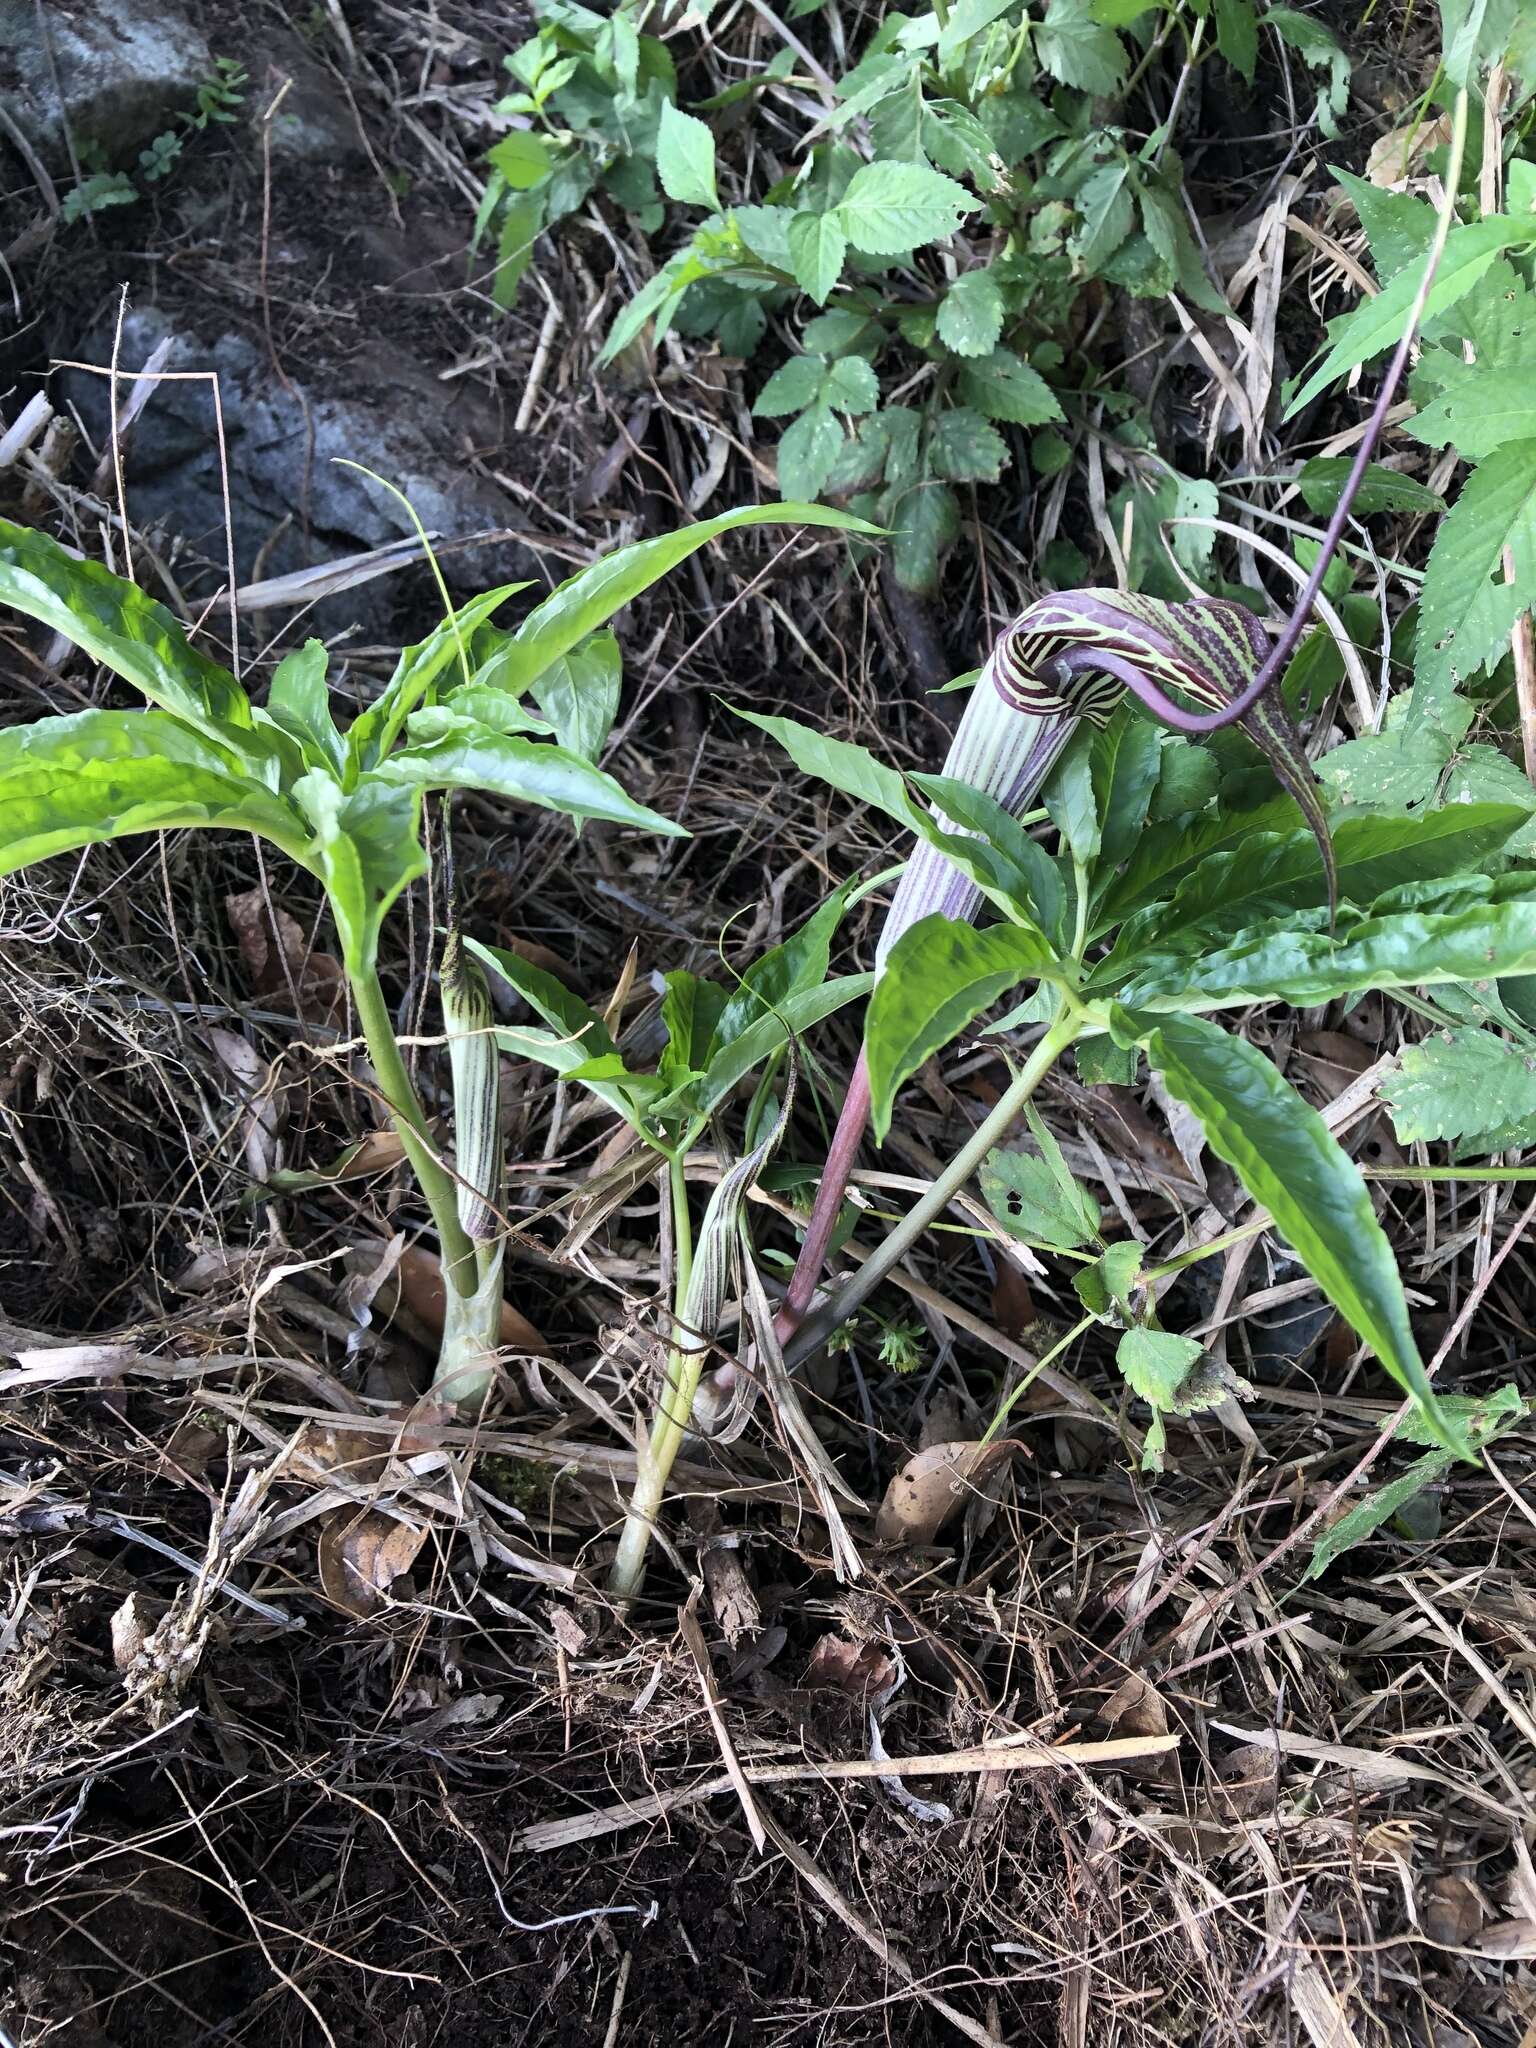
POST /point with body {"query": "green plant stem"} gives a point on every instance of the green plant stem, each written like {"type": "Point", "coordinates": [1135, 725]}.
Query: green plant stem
{"type": "Point", "coordinates": [685, 1366]}
{"type": "Point", "coordinates": [1046, 1358]}
{"type": "Point", "coordinates": [818, 1326]}
{"type": "Point", "coordinates": [460, 1268]}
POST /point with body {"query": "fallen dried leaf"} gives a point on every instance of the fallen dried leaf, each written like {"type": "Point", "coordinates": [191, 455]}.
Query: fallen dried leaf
{"type": "Point", "coordinates": [933, 1484]}
{"type": "Point", "coordinates": [361, 1555]}
{"type": "Point", "coordinates": [1135, 1708]}
{"type": "Point", "coordinates": [132, 1625]}
{"type": "Point", "coordinates": [253, 1079]}
{"type": "Point", "coordinates": [279, 963]}
{"type": "Point", "coordinates": [857, 1669]}
{"type": "Point", "coordinates": [1453, 1912]}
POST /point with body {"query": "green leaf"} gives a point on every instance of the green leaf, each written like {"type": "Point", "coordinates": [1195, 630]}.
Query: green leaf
{"type": "Point", "coordinates": [690, 1013]}
{"type": "Point", "coordinates": [807, 449]}
{"type": "Point", "coordinates": [1405, 950]}
{"type": "Point", "coordinates": [1270, 874]}
{"type": "Point", "coordinates": [1026, 1196]}
{"type": "Point", "coordinates": [966, 448]}
{"type": "Point", "coordinates": [792, 387]}
{"type": "Point", "coordinates": [1166, 853]}
{"type": "Point", "coordinates": [851, 769]}
{"type": "Point", "coordinates": [1237, 35]}
{"type": "Point", "coordinates": [938, 977]}
{"type": "Point", "coordinates": [1004, 387]}
{"type": "Point", "coordinates": [1291, 1163]}
{"type": "Point", "coordinates": [971, 316]}
{"type": "Point", "coordinates": [685, 159]}
{"type": "Point", "coordinates": [522, 221]}
{"type": "Point", "coordinates": [890, 208]}
{"type": "Point", "coordinates": [1035, 879]}
{"type": "Point", "coordinates": [923, 522]}
{"type": "Point", "coordinates": [851, 386]}
{"type": "Point", "coordinates": [1156, 1365]}
{"type": "Point", "coordinates": [1378, 323]}
{"type": "Point", "coordinates": [374, 731]}
{"type": "Point", "coordinates": [1480, 412]}
{"type": "Point", "coordinates": [1361, 1522]}
{"type": "Point", "coordinates": [118, 625]}
{"type": "Point", "coordinates": [1104, 1288]}
{"type": "Point", "coordinates": [1321, 50]}
{"type": "Point", "coordinates": [100, 775]}
{"type": "Point", "coordinates": [1103, 1064]}
{"type": "Point", "coordinates": [366, 849]}
{"type": "Point", "coordinates": [300, 703]}
{"type": "Point", "coordinates": [523, 158]}
{"type": "Point", "coordinates": [1321, 483]}
{"type": "Point", "coordinates": [1108, 213]}
{"type": "Point", "coordinates": [472, 756]}
{"type": "Point", "coordinates": [1459, 1085]}
{"type": "Point", "coordinates": [579, 694]}
{"type": "Point", "coordinates": [590, 598]}
{"type": "Point", "coordinates": [1466, 610]}
{"type": "Point", "coordinates": [1124, 761]}
{"type": "Point", "coordinates": [1072, 799]}
{"type": "Point", "coordinates": [579, 1039]}
{"type": "Point", "coordinates": [730, 1063]}
{"type": "Point", "coordinates": [1074, 48]}
{"type": "Point", "coordinates": [817, 246]}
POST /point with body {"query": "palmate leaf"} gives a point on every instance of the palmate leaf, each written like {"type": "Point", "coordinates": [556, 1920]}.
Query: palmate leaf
{"type": "Point", "coordinates": [101, 775]}
{"type": "Point", "coordinates": [118, 625]}
{"type": "Point", "coordinates": [1291, 1163]}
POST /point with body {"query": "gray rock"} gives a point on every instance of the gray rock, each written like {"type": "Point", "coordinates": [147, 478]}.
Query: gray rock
{"type": "Point", "coordinates": [392, 415]}
{"type": "Point", "coordinates": [124, 68]}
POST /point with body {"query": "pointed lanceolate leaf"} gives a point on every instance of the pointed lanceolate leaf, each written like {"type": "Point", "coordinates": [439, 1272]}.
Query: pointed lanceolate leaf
{"type": "Point", "coordinates": [374, 731]}
{"type": "Point", "coordinates": [938, 977]}
{"type": "Point", "coordinates": [366, 849]}
{"type": "Point", "coordinates": [100, 775]}
{"type": "Point", "coordinates": [590, 598]}
{"type": "Point", "coordinates": [299, 702]}
{"type": "Point", "coordinates": [472, 756]}
{"type": "Point", "coordinates": [118, 625]}
{"type": "Point", "coordinates": [1291, 1163]}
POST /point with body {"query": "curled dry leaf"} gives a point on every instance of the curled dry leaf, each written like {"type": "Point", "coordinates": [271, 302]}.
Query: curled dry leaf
{"type": "Point", "coordinates": [417, 1286]}
{"type": "Point", "coordinates": [279, 962]}
{"type": "Point", "coordinates": [1452, 1911]}
{"type": "Point", "coordinates": [132, 1625]}
{"type": "Point", "coordinates": [361, 1555]}
{"type": "Point", "coordinates": [857, 1669]}
{"type": "Point", "coordinates": [933, 1484]}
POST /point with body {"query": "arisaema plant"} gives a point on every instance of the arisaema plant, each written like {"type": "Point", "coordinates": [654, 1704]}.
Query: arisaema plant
{"type": "Point", "coordinates": [517, 715]}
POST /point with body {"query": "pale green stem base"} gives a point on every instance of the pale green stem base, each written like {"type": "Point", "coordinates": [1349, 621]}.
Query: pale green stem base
{"type": "Point", "coordinates": [471, 1273]}
{"type": "Point", "coordinates": [658, 1454]}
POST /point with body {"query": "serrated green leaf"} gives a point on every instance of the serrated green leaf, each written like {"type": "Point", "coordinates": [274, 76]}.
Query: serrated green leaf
{"type": "Point", "coordinates": [807, 449]}
{"type": "Point", "coordinates": [817, 247]}
{"type": "Point", "coordinates": [1466, 609]}
{"type": "Point", "coordinates": [1004, 387]}
{"type": "Point", "coordinates": [523, 158]}
{"type": "Point", "coordinates": [938, 977]}
{"type": "Point", "coordinates": [1104, 1288]}
{"type": "Point", "coordinates": [1292, 1164]}
{"type": "Point", "coordinates": [1322, 51]}
{"type": "Point", "coordinates": [792, 387]}
{"type": "Point", "coordinates": [1026, 1196]}
{"type": "Point", "coordinates": [1103, 1064]}
{"type": "Point", "coordinates": [1459, 1084]}
{"type": "Point", "coordinates": [1480, 412]}
{"type": "Point", "coordinates": [1156, 1365]}
{"type": "Point", "coordinates": [1377, 324]}
{"type": "Point", "coordinates": [1074, 48]}
{"type": "Point", "coordinates": [850, 385]}
{"type": "Point", "coordinates": [923, 522]}
{"type": "Point", "coordinates": [1107, 214]}
{"type": "Point", "coordinates": [890, 208]}
{"type": "Point", "coordinates": [1237, 35]}
{"type": "Point", "coordinates": [685, 158]}
{"type": "Point", "coordinates": [966, 448]}
{"type": "Point", "coordinates": [970, 319]}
